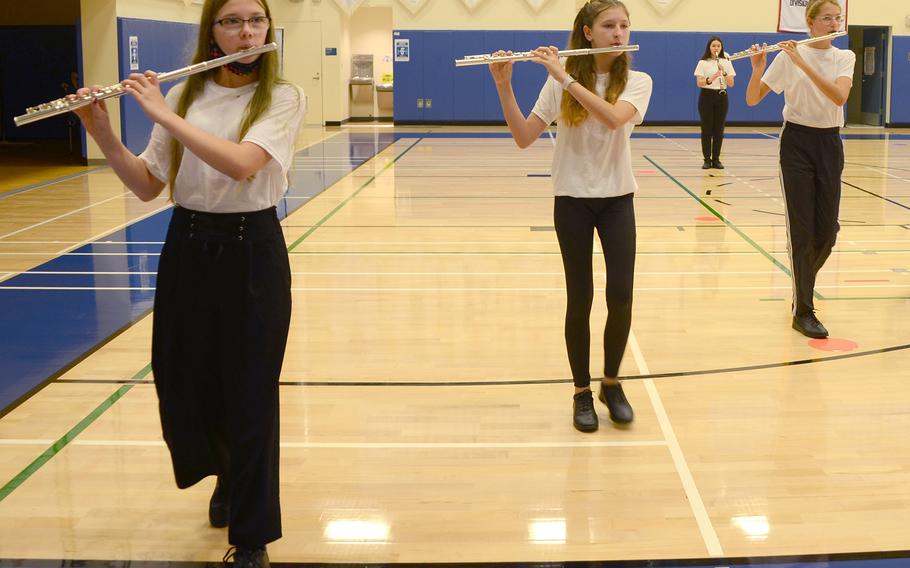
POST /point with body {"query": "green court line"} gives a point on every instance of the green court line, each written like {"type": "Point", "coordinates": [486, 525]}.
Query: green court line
{"type": "Point", "coordinates": [57, 446]}
{"type": "Point", "coordinates": [728, 223]}
{"type": "Point", "coordinates": [331, 213]}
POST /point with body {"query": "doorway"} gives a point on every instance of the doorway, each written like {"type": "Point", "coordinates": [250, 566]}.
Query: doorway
{"type": "Point", "coordinates": [302, 42]}
{"type": "Point", "coordinates": [868, 98]}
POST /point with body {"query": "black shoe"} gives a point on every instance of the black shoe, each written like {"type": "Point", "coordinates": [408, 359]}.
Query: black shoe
{"type": "Point", "coordinates": [717, 165]}
{"type": "Point", "coordinates": [808, 325]}
{"type": "Point", "coordinates": [620, 409]}
{"type": "Point", "coordinates": [240, 557]}
{"type": "Point", "coordinates": [219, 507]}
{"type": "Point", "coordinates": [585, 419]}
{"type": "Point", "coordinates": [706, 165]}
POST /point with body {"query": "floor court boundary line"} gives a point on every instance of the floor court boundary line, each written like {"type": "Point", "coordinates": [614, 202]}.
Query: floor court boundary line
{"type": "Point", "coordinates": [366, 184]}
{"type": "Point", "coordinates": [365, 445]}
{"type": "Point", "coordinates": [39, 185]}
{"type": "Point", "coordinates": [70, 436]}
{"type": "Point", "coordinates": [709, 535]}
{"type": "Point", "coordinates": [67, 250]}
{"type": "Point", "coordinates": [463, 273]}
{"type": "Point", "coordinates": [58, 217]}
{"type": "Point", "coordinates": [729, 224]}
{"type": "Point", "coordinates": [373, 289]}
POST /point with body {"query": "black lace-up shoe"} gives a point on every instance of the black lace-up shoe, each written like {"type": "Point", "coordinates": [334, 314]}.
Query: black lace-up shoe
{"type": "Point", "coordinates": [615, 399]}
{"type": "Point", "coordinates": [717, 165]}
{"type": "Point", "coordinates": [706, 165]}
{"type": "Point", "coordinates": [240, 557]}
{"type": "Point", "coordinates": [808, 325]}
{"type": "Point", "coordinates": [585, 418]}
{"type": "Point", "coordinates": [219, 506]}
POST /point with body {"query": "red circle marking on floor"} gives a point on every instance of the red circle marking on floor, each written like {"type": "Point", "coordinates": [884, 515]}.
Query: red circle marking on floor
{"type": "Point", "coordinates": [707, 218]}
{"type": "Point", "coordinates": [833, 344]}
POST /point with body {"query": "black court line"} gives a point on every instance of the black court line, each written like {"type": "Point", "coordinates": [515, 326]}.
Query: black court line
{"type": "Point", "coordinates": [640, 226]}
{"type": "Point", "coordinates": [876, 166]}
{"type": "Point", "coordinates": [768, 212]}
{"type": "Point", "coordinates": [718, 371]}
{"type": "Point", "coordinates": [880, 559]}
{"type": "Point", "coordinates": [899, 204]}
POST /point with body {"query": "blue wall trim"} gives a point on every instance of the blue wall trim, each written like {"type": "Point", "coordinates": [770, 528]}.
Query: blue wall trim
{"type": "Point", "coordinates": [900, 80]}
{"type": "Point", "coordinates": [163, 46]}
{"type": "Point", "coordinates": [467, 94]}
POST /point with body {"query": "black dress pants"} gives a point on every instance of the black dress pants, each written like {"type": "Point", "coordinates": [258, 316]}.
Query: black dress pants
{"type": "Point", "coordinates": [811, 162]}
{"type": "Point", "coordinates": [712, 108]}
{"type": "Point", "coordinates": [221, 319]}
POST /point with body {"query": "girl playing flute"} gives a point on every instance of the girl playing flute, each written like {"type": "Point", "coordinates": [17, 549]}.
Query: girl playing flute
{"type": "Point", "coordinates": [596, 100]}
{"type": "Point", "coordinates": [816, 79]}
{"type": "Point", "coordinates": [223, 142]}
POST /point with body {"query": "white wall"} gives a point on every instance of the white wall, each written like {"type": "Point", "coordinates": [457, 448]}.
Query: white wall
{"type": "Point", "coordinates": [99, 56]}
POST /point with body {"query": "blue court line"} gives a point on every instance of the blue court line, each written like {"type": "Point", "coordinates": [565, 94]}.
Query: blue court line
{"type": "Point", "coordinates": [44, 333]}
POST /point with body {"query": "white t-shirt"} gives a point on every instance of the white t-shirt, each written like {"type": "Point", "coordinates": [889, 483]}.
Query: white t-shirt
{"type": "Point", "coordinates": [804, 103]}
{"type": "Point", "coordinates": [590, 160]}
{"type": "Point", "coordinates": [708, 67]}
{"type": "Point", "coordinates": [219, 110]}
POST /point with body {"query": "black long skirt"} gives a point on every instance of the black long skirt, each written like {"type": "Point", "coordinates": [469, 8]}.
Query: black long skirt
{"type": "Point", "coordinates": [221, 319]}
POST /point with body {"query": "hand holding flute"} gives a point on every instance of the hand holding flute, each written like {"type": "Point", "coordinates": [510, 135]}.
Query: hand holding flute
{"type": "Point", "coordinates": [546, 56]}
{"type": "Point", "coordinates": [144, 88]}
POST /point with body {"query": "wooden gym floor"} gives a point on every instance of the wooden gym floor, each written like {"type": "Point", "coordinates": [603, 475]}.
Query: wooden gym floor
{"type": "Point", "coordinates": [426, 397]}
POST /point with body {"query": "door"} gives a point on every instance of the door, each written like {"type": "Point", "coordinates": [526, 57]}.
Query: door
{"type": "Point", "coordinates": [302, 63]}
{"type": "Point", "coordinates": [872, 70]}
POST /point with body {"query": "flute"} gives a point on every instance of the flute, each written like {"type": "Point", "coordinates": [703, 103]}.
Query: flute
{"type": "Point", "coordinates": [750, 52]}
{"type": "Point", "coordinates": [64, 105]}
{"type": "Point", "coordinates": [528, 55]}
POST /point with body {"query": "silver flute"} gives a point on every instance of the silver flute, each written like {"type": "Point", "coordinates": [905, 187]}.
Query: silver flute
{"type": "Point", "coordinates": [529, 55]}
{"type": "Point", "coordinates": [65, 105]}
{"type": "Point", "coordinates": [750, 52]}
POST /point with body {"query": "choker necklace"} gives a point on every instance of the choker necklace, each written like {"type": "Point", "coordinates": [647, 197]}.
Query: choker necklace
{"type": "Point", "coordinates": [235, 67]}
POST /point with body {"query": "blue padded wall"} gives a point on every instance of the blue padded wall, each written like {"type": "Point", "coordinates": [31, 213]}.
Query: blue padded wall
{"type": "Point", "coordinates": [467, 94]}
{"type": "Point", "coordinates": [34, 61]}
{"type": "Point", "coordinates": [163, 46]}
{"type": "Point", "coordinates": [900, 80]}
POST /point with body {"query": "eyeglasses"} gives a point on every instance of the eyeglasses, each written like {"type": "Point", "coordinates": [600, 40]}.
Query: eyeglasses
{"type": "Point", "coordinates": [829, 19]}
{"type": "Point", "coordinates": [235, 23]}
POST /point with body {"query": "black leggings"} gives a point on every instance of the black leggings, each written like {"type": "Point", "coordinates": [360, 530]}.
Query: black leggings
{"type": "Point", "coordinates": [712, 108]}
{"type": "Point", "coordinates": [576, 219]}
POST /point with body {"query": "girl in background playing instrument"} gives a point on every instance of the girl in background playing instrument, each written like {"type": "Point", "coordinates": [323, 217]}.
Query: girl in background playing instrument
{"type": "Point", "coordinates": [597, 101]}
{"type": "Point", "coordinates": [816, 79]}
{"type": "Point", "coordinates": [223, 141]}
{"type": "Point", "coordinates": [714, 75]}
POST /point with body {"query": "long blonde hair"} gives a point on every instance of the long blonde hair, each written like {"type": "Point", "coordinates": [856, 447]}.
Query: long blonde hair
{"type": "Point", "coordinates": [582, 68]}
{"type": "Point", "coordinates": [262, 98]}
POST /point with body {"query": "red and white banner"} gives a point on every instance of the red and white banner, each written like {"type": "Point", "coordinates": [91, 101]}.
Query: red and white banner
{"type": "Point", "coordinates": [792, 16]}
